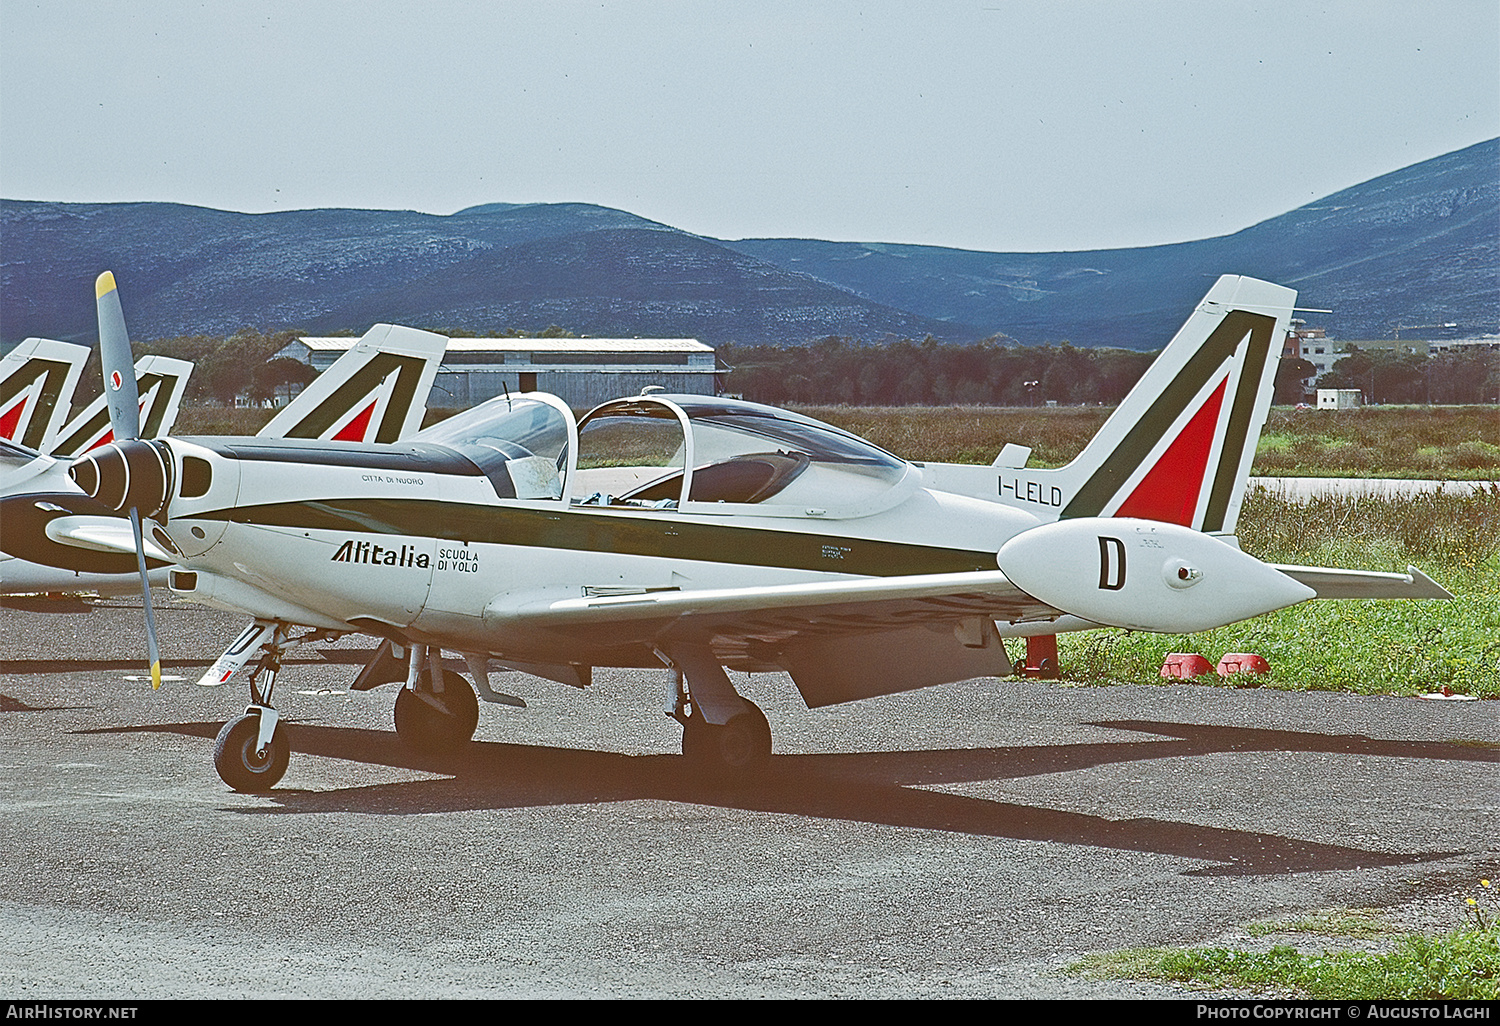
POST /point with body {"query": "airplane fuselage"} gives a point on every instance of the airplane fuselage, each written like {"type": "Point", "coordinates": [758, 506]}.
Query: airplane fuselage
{"type": "Point", "coordinates": [414, 539]}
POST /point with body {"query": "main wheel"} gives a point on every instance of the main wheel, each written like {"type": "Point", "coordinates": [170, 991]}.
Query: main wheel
{"type": "Point", "coordinates": [745, 742]}
{"type": "Point", "coordinates": [739, 748]}
{"type": "Point", "coordinates": [431, 723]}
{"type": "Point", "coordinates": [242, 763]}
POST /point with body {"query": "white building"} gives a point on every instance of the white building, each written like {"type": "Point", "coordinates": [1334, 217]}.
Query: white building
{"type": "Point", "coordinates": [581, 371]}
{"type": "Point", "coordinates": [1338, 398]}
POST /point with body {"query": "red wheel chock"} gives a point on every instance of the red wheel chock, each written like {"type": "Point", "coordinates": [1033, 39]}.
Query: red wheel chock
{"type": "Point", "coordinates": [1185, 664]}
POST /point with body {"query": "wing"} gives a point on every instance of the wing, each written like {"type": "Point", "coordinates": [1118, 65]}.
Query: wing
{"type": "Point", "coordinates": [840, 640]}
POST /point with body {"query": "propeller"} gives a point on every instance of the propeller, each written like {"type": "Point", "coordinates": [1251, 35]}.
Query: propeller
{"type": "Point", "coordinates": [125, 421]}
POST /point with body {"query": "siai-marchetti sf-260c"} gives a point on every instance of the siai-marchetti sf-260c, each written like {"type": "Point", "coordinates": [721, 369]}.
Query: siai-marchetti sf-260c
{"type": "Point", "coordinates": [700, 533]}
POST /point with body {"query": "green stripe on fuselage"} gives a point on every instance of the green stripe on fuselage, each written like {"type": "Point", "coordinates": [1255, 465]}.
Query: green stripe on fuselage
{"type": "Point", "coordinates": [626, 534]}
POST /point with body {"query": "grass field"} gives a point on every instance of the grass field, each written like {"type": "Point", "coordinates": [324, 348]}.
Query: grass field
{"type": "Point", "coordinates": [1356, 954]}
{"type": "Point", "coordinates": [1444, 442]}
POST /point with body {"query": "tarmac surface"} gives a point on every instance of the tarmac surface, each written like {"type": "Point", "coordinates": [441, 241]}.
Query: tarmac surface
{"type": "Point", "coordinates": [966, 841]}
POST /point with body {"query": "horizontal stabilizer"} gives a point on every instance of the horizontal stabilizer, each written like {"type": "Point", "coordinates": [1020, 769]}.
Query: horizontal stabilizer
{"type": "Point", "coordinates": [1366, 584]}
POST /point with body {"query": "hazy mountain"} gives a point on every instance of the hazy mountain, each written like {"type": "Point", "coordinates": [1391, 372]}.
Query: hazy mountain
{"type": "Point", "coordinates": [1419, 246]}
{"type": "Point", "coordinates": [593, 270]}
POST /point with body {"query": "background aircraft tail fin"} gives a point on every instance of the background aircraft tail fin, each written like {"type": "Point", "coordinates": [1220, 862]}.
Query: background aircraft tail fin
{"type": "Point", "coordinates": [375, 392]}
{"type": "Point", "coordinates": [1178, 449]}
{"type": "Point", "coordinates": [160, 382]}
{"type": "Point", "coordinates": [37, 379]}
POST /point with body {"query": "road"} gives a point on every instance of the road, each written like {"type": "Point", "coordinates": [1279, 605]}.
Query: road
{"type": "Point", "coordinates": [965, 841]}
{"type": "Point", "coordinates": [1303, 488]}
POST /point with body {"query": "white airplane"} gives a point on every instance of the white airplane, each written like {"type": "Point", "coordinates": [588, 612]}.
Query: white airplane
{"type": "Point", "coordinates": [699, 533]}
{"type": "Point", "coordinates": [38, 392]}
{"type": "Point", "coordinates": [58, 539]}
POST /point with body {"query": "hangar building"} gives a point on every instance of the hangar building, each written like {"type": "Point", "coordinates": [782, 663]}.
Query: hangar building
{"type": "Point", "coordinates": [583, 372]}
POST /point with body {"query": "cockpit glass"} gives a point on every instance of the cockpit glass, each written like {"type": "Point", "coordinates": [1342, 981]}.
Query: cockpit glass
{"type": "Point", "coordinates": [625, 446]}
{"type": "Point", "coordinates": [750, 454]}
{"type": "Point", "coordinates": [518, 443]}
{"type": "Point", "coordinates": [631, 454]}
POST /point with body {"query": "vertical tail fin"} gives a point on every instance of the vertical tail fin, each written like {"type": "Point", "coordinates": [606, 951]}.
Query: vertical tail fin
{"type": "Point", "coordinates": [36, 390]}
{"type": "Point", "coordinates": [1179, 448]}
{"type": "Point", "coordinates": [160, 382]}
{"type": "Point", "coordinates": [376, 392]}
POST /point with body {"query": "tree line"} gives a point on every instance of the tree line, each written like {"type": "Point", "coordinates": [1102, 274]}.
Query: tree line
{"type": "Point", "coordinates": [837, 370]}
{"type": "Point", "coordinates": [1385, 376]}
{"type": "Point", "coordinates": [841, 370]}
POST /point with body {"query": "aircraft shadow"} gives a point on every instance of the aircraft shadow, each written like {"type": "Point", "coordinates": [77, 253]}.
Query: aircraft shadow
{"type": "Point", "coordinates": [884, 788]}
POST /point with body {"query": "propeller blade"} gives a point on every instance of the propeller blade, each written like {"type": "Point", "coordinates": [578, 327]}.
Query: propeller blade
{"type": "Point", "coordinates": [119, 365]}
{"type": "Point", "coordinates": [125, 421]}
{"type": "Point", "coordinates": [152, 653]}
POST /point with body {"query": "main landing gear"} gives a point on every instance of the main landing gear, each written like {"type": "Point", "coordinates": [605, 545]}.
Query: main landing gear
{"type": "Point", "coordinates": [724, 736]}
{"type": "Point", "coordinates": [430, 721]}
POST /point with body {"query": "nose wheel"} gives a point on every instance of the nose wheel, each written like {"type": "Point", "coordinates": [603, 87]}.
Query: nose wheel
{"type": "Point", "coordinates": [243, 762]}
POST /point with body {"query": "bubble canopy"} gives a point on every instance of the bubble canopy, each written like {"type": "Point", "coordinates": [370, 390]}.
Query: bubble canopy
{"type": "Point", "coordinates": [715, 455]}
{"type": "Point", "coordinates": [521, 443]}
{"type": "Point", "coordinates": [676, 452]}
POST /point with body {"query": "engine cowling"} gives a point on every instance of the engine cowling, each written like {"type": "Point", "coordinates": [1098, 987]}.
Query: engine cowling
{"type": "Point", "coordinates": [127, 473]}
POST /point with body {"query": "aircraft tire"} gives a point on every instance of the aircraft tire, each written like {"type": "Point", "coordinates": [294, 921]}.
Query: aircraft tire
{"type": "Point", "coordinates": [431, 731]}
{"type": "Point", "coordinates": [737, 749]}
{"type": "Point", "coordinates": [241, 765]}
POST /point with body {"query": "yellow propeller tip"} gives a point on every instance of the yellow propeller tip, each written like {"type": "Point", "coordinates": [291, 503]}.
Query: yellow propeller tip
{"type": "Point", "coordinates": [104, 284]}
{"type": "Point", "coordinates": [155, 676]}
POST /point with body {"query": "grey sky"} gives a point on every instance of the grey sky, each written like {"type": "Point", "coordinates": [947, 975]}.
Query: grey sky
{"type": "Point", "coordinates": [1000, 124]}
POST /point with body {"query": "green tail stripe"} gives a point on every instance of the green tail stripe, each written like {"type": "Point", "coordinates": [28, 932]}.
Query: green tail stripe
{"type": "Point", "coordinates": [56, 372]}
{"type": "Point", "coordinates": [1136, 446]}
{"type": "Point", "coordinates": [361, 382]}
{"type": "Point", "coordinates": [1237, 434]}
